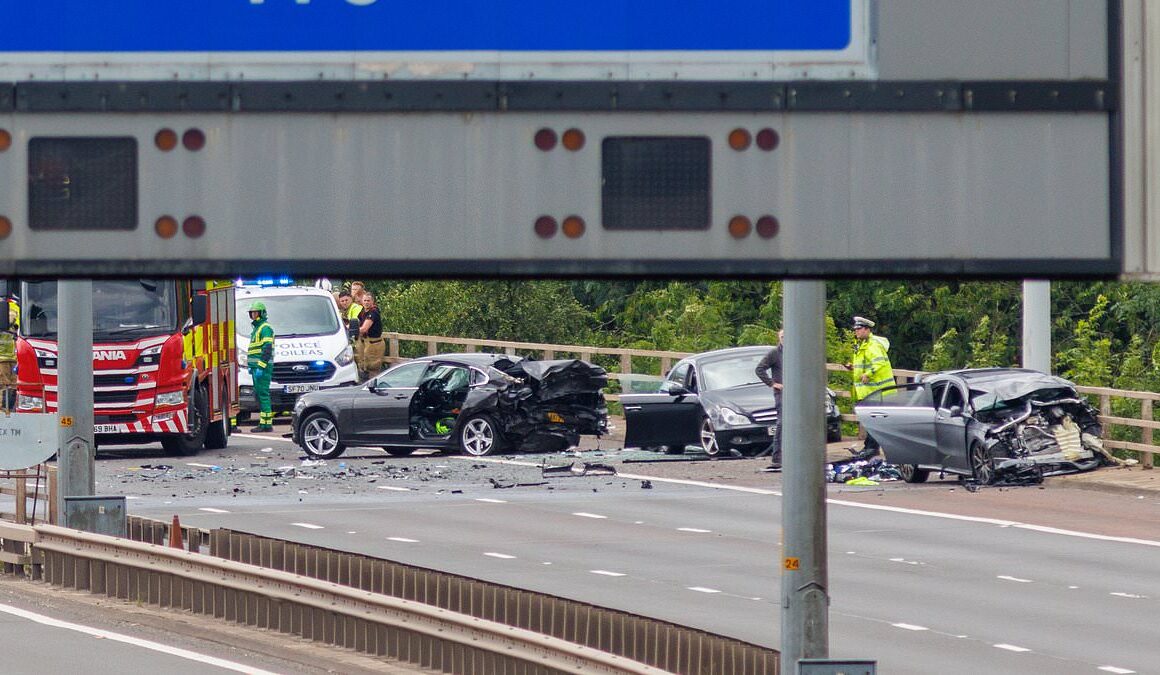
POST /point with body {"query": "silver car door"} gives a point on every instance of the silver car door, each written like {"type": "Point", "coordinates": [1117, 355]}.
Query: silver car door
{"type": "Point", "coordinates": [901, 419]}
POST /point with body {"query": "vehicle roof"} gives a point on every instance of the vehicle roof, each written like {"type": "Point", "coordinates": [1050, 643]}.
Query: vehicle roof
{"type": "Point", "coordinates": [271, 291]}
{"type": "Point", "coordinates": [718, 354]}
{"type": "Point", "coordinates": [984, 375]}
{"type": "Point", "coordinates": [472, 358]}
{"type": "Point", "coordinates": [1008, 383]}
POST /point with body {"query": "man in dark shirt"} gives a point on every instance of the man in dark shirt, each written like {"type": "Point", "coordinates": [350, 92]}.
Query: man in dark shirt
{"type": "Point", "coordinates": [370, 335]}
{"type": "Point", "coordinates": [769, 371]}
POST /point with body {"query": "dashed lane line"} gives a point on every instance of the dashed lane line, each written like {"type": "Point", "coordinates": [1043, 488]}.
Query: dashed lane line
{"type": "Point", "coordinates": [693, 529]}
{"type": "Point", "coordinates": [909, 626]}
{"type": "Point", "coordinates": [309, 526]}
{"type": "Point", "coordinates": [403, 540]}
{"type": "Point", "coordinates": [606, 573]}
{"type": "Point", "coordinates": [859, 505]}
{"type": "Point", "coordinates": [210, 509]}
{"type": "Point", "coordinates": [1011, 648]}
{"type": "Point", "coordinates": [1004, 577]}
{"type": "Point", "coordinates": [702, 589]}
{"type": "Point", "coordinates": [488, 500]}
{"type": "Point", "coordinates": [501, 556]}
{"type": "Point", "coordinates": [597, 516]}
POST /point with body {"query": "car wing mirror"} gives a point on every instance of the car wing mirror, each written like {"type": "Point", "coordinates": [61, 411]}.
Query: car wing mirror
{"type": "Point", "coordinates": [956, 411]}
{"type": "Point", "coordinates": [678, 390]}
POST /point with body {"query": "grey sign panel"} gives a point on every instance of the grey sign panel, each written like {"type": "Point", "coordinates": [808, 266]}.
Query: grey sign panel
{"type": "Point", "coordinates": [462, 193]}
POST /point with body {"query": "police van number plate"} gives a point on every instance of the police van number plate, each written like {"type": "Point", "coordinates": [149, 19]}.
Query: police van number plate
{"type": "Point", "coordinates": [301, 388]}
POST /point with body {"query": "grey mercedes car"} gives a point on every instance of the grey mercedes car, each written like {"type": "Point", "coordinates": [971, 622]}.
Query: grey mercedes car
{"type": "Point", "coordinates": [477, 404]}
{"type": "Point", "coordinates": [714, 400]}
{"type": "Point", "coordinates": [974, 422]}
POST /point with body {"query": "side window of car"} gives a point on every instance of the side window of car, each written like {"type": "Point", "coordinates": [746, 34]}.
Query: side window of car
{"type": "Point", "coordinates": [676, 377]}
{"type": "Point", "coordinates": [906, 396]}
{"type": "Point", "coordinates": [936, 391]}
{"type": "Point", "coordinates": [953, 397]}
{"type": "Point", "coordinates": [692, 379]}
{"type": "Point", "coordinates": [406, 375]}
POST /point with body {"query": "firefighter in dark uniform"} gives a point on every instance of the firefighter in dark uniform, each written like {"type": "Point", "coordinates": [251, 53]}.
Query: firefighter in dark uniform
{"type": "Point", "coordinates": [260, 361]}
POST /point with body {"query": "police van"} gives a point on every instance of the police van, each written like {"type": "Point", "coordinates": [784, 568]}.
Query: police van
{"type": "Point", "coordinates": [311, 348]}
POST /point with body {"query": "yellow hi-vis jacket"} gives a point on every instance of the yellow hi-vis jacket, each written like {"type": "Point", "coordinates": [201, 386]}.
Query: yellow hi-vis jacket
{"type": "Point", "coordinates": [870, 359]}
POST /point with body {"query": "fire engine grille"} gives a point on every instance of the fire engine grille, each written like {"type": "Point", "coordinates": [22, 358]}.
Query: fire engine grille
{"type": "Point", "coordinates": [114, 380]}
{"type": "Point", "coordinates": [293, 372]}
{"type": "Point", "coordinates": [115, 396]}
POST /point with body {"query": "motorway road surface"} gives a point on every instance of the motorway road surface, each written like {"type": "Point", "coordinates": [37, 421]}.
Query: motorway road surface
{"type": "Point", "coordinates": [947, 582]}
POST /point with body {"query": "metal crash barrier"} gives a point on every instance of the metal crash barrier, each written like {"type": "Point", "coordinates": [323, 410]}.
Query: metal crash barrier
{"type": "Point", "coordinates": [432, 619]}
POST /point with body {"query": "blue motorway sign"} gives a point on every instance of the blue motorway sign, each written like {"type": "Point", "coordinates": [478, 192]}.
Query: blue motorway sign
{"type": "Point", "coordinates": [39, 26]}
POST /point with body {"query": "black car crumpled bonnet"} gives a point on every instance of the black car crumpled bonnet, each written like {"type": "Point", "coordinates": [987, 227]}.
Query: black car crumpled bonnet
{"type": "Point", "coordinates": [559, 377]}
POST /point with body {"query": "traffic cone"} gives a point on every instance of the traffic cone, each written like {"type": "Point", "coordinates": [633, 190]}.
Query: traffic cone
{"type": "Point", "coordinates": [175, 534]}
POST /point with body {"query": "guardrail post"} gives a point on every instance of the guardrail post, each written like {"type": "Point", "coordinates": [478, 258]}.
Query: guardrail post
{"type": "Point", "coordinates": [394, 349]}
{"type": "Point", "coordinates": [549, 355]}
{"type": "Point", "coordinates": [666, 363]}
{"type": "Point", "coordinates": [432, 348]}
{"type": "Point", "coordinates": [52, 489]}
{"type": "Point", "coordinates": [1146, 415]}
{"type": "Point", "coordinates": [626, 363]}
{"type": "Point", "coordinates": [21, 499]}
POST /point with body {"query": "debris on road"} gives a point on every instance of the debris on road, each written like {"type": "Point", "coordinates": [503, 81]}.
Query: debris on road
{"type": "Point", "coordinates": [579, 469]}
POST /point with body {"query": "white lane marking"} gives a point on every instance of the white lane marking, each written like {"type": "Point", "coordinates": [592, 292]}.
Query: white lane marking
{"type": "Point", "coordinates": [1118, 671]}
{"type": "Point", "coordinates": [859, 505]}
{"type": "Point", "coordinates": [590, 515]}
{"type": "Point", "coordinates": [607, 573]}
{"type": "Point", "coordinates": [1004, 577]}
{"type": "Point", "coordinates": [491, 501]}
{"type": "Point", "coordinates": [136, 642]}
{"type": "Point", "coordinates": [1132, 596]}
{"type": "Point", "coordinates": [210, 509]}
{"type": "Point", "coordinates": [502, 556]}
{"type": "Point", "coordinates": [1072, 587]}
{"type": "Point", "coordinates": [702, 589]}
{"type": "Point", "coordinates": [200, 466]}
{"type": "Point", "coordinates": [693, 529]}
{"type": "Point", "coordinates": [351, 532]}
{"type": "Point", "coordinates": [1011, 648]}
{"type": "Point", "coordinates": [403, 539]}
{"type": "Point", "coordinates": [905, 561]}
{"type": "Point", "coordinates": [392, 487]}
{"type": "Point", "coordinates": [261, 437]}
{"type": "Point", "coordinates": [909, 626]}
{"type": "Point", "coordinates": [131, 497]}
{"type": "Point", "coordinates": [309, 526]}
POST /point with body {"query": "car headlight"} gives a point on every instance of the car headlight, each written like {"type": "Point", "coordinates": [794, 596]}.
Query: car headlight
{"type": "Point", "coordinates": [300, 403]}
{"type": "Point", "coordinates": [170, 398]}
{"type": "Point", "coordinates": [732, 418]}
{"type": "Point", "coordinates": [26, 402]}
{"type": "Point", "coordinates": [345, 356]}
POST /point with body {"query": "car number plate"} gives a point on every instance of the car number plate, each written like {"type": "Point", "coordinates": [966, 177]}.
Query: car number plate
{"type": "Point", "coordinates": [107, 429]}
{"type": "Point", "coordinates": [300, 388]}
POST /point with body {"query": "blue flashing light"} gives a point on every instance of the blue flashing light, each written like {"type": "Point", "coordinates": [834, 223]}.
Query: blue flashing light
{"type": "Point", "coordinates": [265, 282]}
{"type": "Point", "coordinates": [130, 379]}
{"type": "Point", "coordinates": [320, 364]}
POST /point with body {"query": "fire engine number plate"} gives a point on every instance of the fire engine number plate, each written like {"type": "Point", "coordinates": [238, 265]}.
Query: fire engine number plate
{"type": "Point", "coordinates": [107, 429]}
{"type": "Point", "coordinates": [301, 388]}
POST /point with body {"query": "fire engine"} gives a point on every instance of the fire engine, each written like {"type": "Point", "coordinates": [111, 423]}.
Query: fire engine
{"type": "Point", "coordinates": [163, 360]}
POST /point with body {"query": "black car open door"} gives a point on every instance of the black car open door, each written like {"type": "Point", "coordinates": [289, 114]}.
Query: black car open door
{"type": "Point", "coordinates": [669, 418]}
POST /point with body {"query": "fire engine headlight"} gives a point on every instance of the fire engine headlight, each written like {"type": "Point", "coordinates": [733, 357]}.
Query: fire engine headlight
{"type": "Point", "coordinates": [150, 356]}
{"type": "Point", "coordinates": [345, 356]}
{"type": "Point", "coordinates": [26, 402]}
{"type": "Point", "coordinates": [171, 398]}
{"type": "Point", "coordinates": [732, 418]}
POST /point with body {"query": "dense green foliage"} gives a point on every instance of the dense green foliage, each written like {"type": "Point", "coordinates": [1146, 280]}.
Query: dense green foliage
{"type": "Point", "coordinates": [1103, 333]}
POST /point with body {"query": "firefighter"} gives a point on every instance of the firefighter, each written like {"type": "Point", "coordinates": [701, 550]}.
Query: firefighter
{"type": "Point", "coordinates": [8, 353]}
{"type": "Point", "coordinates": [260, 361]}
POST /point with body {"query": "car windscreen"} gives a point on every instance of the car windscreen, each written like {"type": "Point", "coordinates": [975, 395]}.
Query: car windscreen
{"type": "Point", "coordinates": [136, 307]}
{"type": "Point", "coordinates": [294, 315]}
{"type": "Point", "coordinates": [732, 372]}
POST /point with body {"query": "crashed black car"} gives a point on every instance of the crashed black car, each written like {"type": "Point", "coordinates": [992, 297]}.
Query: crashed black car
{"type": "Point", "coordinates": [980, 423]}
{"type": "Point", "coordinates": [715, 400]}
{"type": "Point", "coordinates": [477, 404]}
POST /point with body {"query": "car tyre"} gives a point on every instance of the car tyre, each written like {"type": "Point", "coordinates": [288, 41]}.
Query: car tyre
{"type": "Point", "coordinates": [833, 433]}
{"type": "Point", "coordinates": [191, 443]}
{"type": "Point", "coordinates": [399, 452]}
{"type": "Point", "coordinates": [320, 437]}
{"type": "Point", "coordinates": [479, 436]}
{"type": "Point", "coordinates": [912, 474]}
{"type": "Point", "coordinates": [709, 439]}
{"type": "Point", "coordinates": [982, 464]}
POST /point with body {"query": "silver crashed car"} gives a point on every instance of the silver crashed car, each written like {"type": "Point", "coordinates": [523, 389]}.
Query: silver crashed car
{"type": "Point", "coordinates": [980, 422]}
